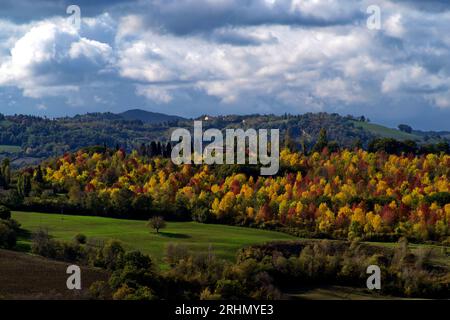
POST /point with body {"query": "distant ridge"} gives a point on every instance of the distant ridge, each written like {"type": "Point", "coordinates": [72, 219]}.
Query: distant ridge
{"type": "Point", "coordinates": [25, 138]}
{"type": "Point", "coordinates": [147, 116]}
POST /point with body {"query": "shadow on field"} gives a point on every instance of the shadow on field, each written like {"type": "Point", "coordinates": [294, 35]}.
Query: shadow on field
{"type": "Point", "coordinates": [174, 235]}
{"type": "Point", "coordinates": [24, 237]}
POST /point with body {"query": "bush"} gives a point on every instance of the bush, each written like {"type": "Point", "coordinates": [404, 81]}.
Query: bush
{"type": "Point", "coordinates": [5, 213]}
{"type": "Point", "coordinates": [175, 252]}
{"type": "Point", "coordinates": [229, 289]}
{"type": "Point", "coordinates": [80, 238]}
{"type": "Point", "coordinates": [70, 252]}
{"type": "Point", "coordinates": [8, 235]}
{"type": "Point", "coordinates": [110, 256]}
{"type": "Point", "coordinates": [100, 290]}
{"type": "Point", "coordinates": [43, 245]}
{"type": "Point", "coordinates": [137, 271]}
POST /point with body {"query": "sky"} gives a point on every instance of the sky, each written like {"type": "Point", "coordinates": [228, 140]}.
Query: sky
{"type": "Point", "coordinates": [387, 60]}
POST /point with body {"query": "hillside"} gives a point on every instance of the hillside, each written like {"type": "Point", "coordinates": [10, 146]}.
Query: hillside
{"type": "Point", "coordinates": [385, 132]}
{"type": "Point", "coordinates": [147, 116]}
{"type": "Point", "coordinates": [28, 139]}
{"type": "Point", "coordinates": [46, 281]}
{"type": "Point", "coordinates": [339, 195]}
{"type": "Point", "coordinates": [135, 234]}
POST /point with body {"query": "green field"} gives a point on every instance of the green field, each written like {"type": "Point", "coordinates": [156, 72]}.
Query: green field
{"type": "Point", "coordinates": [135, 235]}
{"type": "Point", "coordinates": [386, 132]}
{"type": "Point", "coordinates": [10, 149]}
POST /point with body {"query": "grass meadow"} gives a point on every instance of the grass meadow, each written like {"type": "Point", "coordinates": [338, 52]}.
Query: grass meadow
{"type": "Point", "coordinates": [136, 235]}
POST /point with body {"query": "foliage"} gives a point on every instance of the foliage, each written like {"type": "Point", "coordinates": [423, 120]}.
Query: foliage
{"type": "Point", "coordinates": [80, 238]}
{"type": "Point", "coordinates": [8, 233]}
{"type": "Point", "coordinates": [405, 128]}
{"type": "Point", "coordinates": [343, 194]}
{"type": "Point", "coordinates": [43, 137]}
{"type": "Point", "coordinates": [5, 213]}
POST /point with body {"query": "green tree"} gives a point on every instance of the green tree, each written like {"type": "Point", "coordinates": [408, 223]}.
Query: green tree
{"type": "Point", "coordinates": [289, 141]}
{"type": "Point", "coordinates": [322, 141]}
{"type": "Point", "coordinates": [24, 184]}
{"type": "Point", "coordinates": [5, 173]}
{"type": "Point", "coordinates": [38, 176]}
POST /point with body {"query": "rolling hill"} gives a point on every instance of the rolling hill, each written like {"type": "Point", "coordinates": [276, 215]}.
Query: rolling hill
{"type": "Point", "coordinates": [147, 116]}
{"type": "Point", "coordinates": [135, 235]}
{"type": "Point", "coordinates": [28, 139]}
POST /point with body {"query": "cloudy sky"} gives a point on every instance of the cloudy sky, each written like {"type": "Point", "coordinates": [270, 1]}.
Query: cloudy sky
{"type": "Point", "coordinates": [193, 57]}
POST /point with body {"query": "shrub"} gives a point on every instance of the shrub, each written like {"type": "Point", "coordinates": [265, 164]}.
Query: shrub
{"type": "Point", "coordinates": [136, 270]}
{"type": "Point", "coordinates": [43, 245]}
{"type": "Point", "coordinates": [80, 238]}
{"type": "Point", "coordinates": [100, 290]}
{"type": "Point", "coordinates": [70, 252]}
{"type": "Point", "coordinates": [176, 252]}
{"type": "Point", "coordinates": [8, 236]}
{"type": "Point", "coordinates": [5, 213]}
{"type": "Point", "coordinates": [110, 256]}
{"type": "Point", "coordinates": [229, 289]}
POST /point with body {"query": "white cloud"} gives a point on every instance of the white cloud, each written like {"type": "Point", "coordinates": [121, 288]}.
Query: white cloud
{"type": "Point", "coordinates": [441, 100]}
{"type": "Point", "coordinates": [45, 60]}
{"type": "Point", "coordinates": [158, 95]}
{"type": "Point", "coordinates": [270, 55]}
{"type": "Point", "coordinates": [413, 78]}
{"type": "Point", "coordinates": [91, 49]}
{"type": "Point", "coordinates": [231, 72]}
{"type": "Point", "coordinates": [41, 107]}
{"type": "Point", "coordinates": [394, 26]}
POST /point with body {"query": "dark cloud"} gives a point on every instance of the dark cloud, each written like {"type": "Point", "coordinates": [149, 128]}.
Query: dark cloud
{"type": "Point", "coordinates": [32, 10]}
{"type": "Point", "coordinates": [428, 5]}
{"type": "Point", "coordinates": [184, 17]}
{"type": "Point", "coordinates": [191, 57]}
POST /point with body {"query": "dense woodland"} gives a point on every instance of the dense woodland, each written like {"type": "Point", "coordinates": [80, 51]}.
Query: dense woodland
{"type": "Point", "coordinates": [37, 137]}
{"type": "Point", "coordinates": [340, 194]}
{"type": "Point", "coordinates": [394, 191]}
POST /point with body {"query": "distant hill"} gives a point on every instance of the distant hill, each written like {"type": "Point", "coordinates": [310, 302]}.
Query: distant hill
{"type": "Point", "coordinates": [147, 116]}
{"type": "Point", "coordinates": [26, 139]}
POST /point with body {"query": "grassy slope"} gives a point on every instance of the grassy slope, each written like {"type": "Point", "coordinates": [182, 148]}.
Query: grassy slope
{"type": "Point", "coordinates": [10, 149]}
{"type": "Point", "coordinates": [386, 132]}
{"type": "Point", "coordinates": [224, 240]}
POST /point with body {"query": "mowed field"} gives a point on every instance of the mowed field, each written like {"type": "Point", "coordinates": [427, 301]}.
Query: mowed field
{"type": "Point", "coordinates": [225, 241]}
{"type": "Point", "coordinates": [386, 132]}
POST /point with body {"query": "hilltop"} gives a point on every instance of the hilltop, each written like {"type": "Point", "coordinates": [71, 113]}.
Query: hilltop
{"type": "Point", "coordinates": [147, 116]}
{"type": "Point", "coordinates": [27, 139]}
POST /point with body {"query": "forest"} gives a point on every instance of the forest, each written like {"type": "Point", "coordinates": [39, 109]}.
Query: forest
{"type": "Point", "coordinates": [345, 194]}
{"type": "Point", "coordinates": [393, 192]}
{"type": "Point", "coordinates": [23, 136]}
